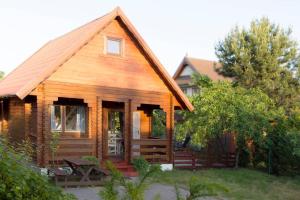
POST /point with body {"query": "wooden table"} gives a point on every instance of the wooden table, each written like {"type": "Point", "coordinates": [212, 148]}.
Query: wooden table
{"type": "Point", "coordinates": [82, 168]}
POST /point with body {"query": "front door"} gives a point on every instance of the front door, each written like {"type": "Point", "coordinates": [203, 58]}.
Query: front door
{"type": "Point", "coordinates": [113, 129]}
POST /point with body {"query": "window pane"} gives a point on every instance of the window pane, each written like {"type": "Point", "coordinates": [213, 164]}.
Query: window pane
{"type": "Point", "coordinates": [113, 46]}
{"type": "Point", "coordinates": [56, 119]}
{"type": "Point", "coordinates": [75, 118]}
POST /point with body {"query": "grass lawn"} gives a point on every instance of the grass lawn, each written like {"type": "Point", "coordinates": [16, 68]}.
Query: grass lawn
{"type": "Point", "coordinates": [242, 183]}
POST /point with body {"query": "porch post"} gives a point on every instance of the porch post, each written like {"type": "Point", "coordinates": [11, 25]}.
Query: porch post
{"type": "Point", "coordinates": [130, 106]}
{"type": "Point", "coordinates": [99, 129]}
{"type": "Point", "coordinates": [168, 108]}
{"type": "Point", "coordinates": [47, 131]}
{"type": "Point", "coordinates": [92, 105]}
{"type": "Point", "coordinates": [172, 125]}
{"type": "Point", "coordinates": [127, 128]}
{"type": "Point", "coordinates": [43, 126]}
{"type": "Point", "coordinates": [39, 128]}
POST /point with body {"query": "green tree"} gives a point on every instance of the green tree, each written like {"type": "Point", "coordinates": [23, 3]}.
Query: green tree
{"type": "Point", "coordinates": [263, 56]}
{"type": "Point", "coordinates": [222, 108]}
{"type": "Point", "coordinates": [1, 75]}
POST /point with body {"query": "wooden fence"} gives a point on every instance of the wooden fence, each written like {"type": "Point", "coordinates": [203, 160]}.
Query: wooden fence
{"type": "Point", "coordinates": [193, 160]}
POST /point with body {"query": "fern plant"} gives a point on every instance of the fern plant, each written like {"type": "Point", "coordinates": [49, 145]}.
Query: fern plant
{"type": "Point", "coordinates": [199, 189]}
{"type": "Point", "coordinates": [109, 192]}
{"type": "Point", "coordinates": [134, 190]}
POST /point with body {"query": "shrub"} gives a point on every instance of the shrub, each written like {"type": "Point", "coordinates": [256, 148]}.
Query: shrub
{"type": "Point", "coordinates": [20, 182]}
{"type": "Point", "coordinates": [198, 189]}
{"type": "Point", "coordinates": [134, 190]}
{"type": "Point", "coordinates": [92, 159]}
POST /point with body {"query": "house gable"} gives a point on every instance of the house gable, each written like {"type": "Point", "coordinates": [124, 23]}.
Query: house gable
{"type": "Point", "coordinates": [187, 71]}
{"type": "Point", "coordinates": [91, 65]}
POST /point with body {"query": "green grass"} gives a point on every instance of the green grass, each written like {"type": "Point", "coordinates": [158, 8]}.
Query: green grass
{"type": "Point", "coordinates": [242, 183]}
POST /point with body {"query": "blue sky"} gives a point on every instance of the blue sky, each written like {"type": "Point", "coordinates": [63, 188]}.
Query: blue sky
{"type": "Point", "coordinates": [172, 28]}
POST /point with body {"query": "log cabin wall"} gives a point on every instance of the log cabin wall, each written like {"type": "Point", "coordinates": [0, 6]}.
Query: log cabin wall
{"type": "Point", "coordinates": [4, 116]}
{"type": "Point", "coordinates": [16, 120]}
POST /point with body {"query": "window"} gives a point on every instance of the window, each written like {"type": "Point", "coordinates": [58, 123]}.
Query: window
{"type": "Point", "coordinates": [56, 120]}
{"type": "Point", "coordinates": [113, 46]}
{"type": "Point", "coordinates": [75, 118]}
{"type": "Point", "coordinates": [189, 91]}
{"type": "Point", "coordinates": [184, 90]}
{"type": "Point", "coordinates": [68, 118]}
{"type": "Point", "coordinates": [195, 90]}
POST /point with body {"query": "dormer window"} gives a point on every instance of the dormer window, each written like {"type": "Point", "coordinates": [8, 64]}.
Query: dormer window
{"type": "Point", "coordinates": [114, 46]}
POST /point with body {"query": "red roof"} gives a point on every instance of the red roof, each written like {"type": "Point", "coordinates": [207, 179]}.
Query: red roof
{"type": "Point", "coordinates": [52, 55]}
{"type": "Point", "coordinates": [203, 67]}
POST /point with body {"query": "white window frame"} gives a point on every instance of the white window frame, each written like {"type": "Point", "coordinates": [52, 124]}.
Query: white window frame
{"type": "Point", "coordinates": [121, 48]}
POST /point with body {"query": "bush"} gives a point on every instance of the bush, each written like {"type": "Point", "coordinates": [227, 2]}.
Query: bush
{"type": "Point", "coordinates": [18, 181]}
{"type": "Point", "coordinates": [134, 190]}
{"type": "Point", "coordinates": [92, 159]}
{"type": "Point", "coordinates": [198, 189]}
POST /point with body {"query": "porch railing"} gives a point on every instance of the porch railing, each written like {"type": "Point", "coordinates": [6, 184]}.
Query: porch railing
{"type": "Point", "coordinates": [153, 150]}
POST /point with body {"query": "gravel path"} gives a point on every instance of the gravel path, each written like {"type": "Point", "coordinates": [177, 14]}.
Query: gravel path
{"type": "Point", "coordinates": [165, 192]}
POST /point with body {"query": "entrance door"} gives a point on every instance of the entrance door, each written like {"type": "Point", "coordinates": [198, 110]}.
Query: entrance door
{"type": "Point", "coordinates": [113, 129]}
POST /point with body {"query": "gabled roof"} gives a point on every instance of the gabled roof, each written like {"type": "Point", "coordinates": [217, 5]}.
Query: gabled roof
{"type": "Point", "coordinates": [55, 53]}
{"type": "Point", "coordinates": [203, 67]}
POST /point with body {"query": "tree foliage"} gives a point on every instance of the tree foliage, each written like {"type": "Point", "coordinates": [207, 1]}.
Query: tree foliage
{"type": "Point", "coordinates": [222, 108]}
{"type": "Point", "coordinates": [1, 75]}
{"type": "Point", "coordinates": [19, 181]}
{"type": "Point", "coordinates": [263, 56]}
{"type": "Point", "coordinates": [158, 123]}
{"type": "Point", "coordinates": [248, 113]}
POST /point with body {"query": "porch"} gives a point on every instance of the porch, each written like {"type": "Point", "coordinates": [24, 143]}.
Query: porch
{"type": "Point", "coordinates": [115, 127]}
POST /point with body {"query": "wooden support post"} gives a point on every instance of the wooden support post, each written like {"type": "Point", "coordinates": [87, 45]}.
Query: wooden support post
{"type": "Point", "coordinates": [127, 128]}
{"type": "Point", "coordinates": [39, 124]}
{"type": "Point", "coordinates": [46, 132]}
{"type": "Point", "coordinates": [172, 125]}
{"type": "Point", "coordinates": [99, 129]}
{"type": "Point", "coordinates": [93, 129]}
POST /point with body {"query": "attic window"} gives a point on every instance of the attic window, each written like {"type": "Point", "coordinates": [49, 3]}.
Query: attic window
{"type": "Point", "coordinates": [114, 46]}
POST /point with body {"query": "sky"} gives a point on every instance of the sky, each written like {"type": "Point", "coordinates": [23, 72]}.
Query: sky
{"type": "Point", "coordinates": [172, 28]}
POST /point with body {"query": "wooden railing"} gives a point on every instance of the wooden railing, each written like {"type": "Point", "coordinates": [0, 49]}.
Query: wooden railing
{"type": "Point", "coordinates": [153, 150]}
{"type": "Point", "coordinates": [73, 148]}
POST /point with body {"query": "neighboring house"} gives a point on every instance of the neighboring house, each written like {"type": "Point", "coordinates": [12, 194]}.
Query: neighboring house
{"type": "Point", "coordinates": [220, 152]}
{"type": "Point", "coordinates": [189, 66]}
{"type": "Point", "coordinates": [97, 86]}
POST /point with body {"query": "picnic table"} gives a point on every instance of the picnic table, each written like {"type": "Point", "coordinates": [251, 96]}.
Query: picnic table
{"type": "Point", "coordinates": [82, 168]}
{"type": "Point", "coordinates": [84, 173]}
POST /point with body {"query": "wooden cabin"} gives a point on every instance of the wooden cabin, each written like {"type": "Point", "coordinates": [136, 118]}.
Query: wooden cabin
{"type": "Point", "coordinates": [97, 87]}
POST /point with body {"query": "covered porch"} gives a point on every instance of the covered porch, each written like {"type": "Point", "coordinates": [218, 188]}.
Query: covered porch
{"type": "Point", "coordinates": [115, 127]}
